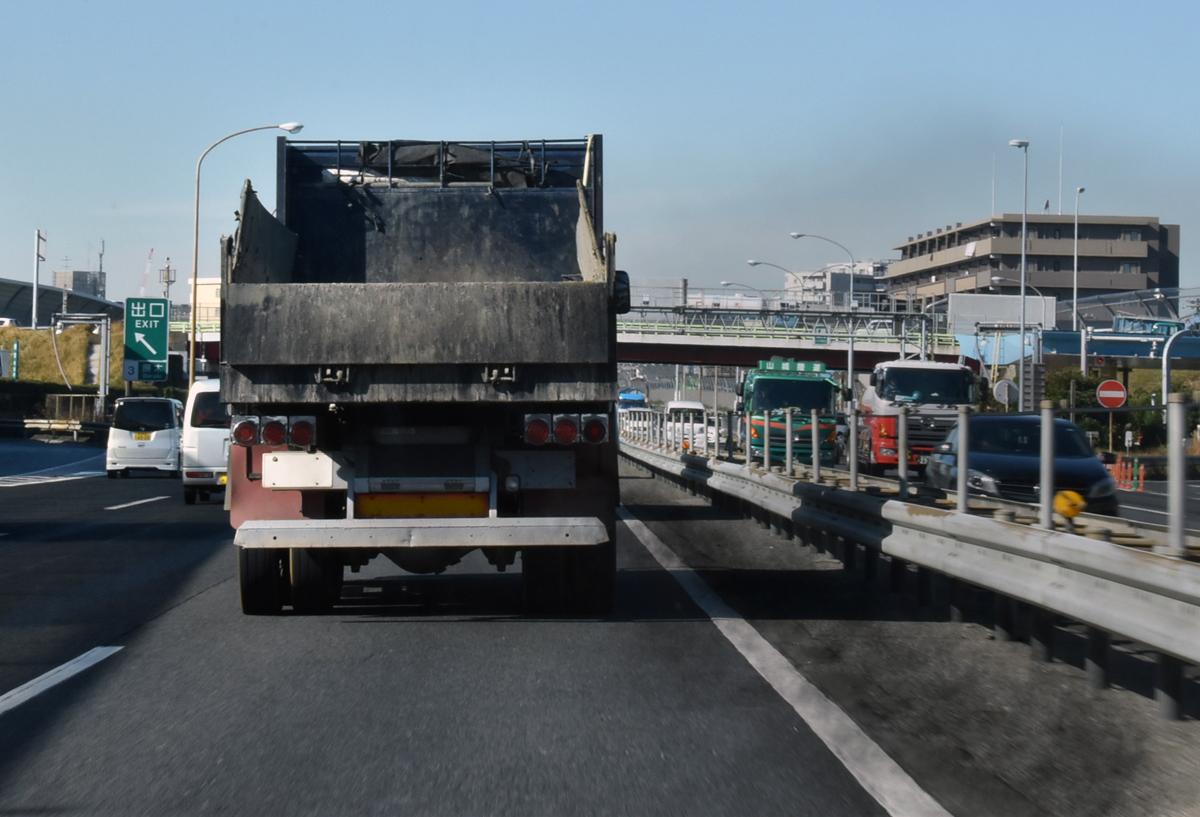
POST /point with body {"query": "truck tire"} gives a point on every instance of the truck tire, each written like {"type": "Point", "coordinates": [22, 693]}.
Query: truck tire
{"type": "Point", "coordinates": [544, 580]}
{"type": "Point", "coordinates": [189, 496]}
{"type": "Point", "coordinates": [316, 579]}
{"type": "Point", "coordinates": [260, 578]}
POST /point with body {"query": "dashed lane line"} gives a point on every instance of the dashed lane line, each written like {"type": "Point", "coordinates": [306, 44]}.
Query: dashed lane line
{"type": "Point", "coordinates": [879, 775]}
{"type": "Point", "coordinates": [31, 689]}
{"type": "Point", "coordinates": [135, 502]}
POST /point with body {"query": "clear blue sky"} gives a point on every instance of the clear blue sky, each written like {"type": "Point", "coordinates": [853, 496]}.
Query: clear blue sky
{"type": "Point", "coordinates": [726, 125]}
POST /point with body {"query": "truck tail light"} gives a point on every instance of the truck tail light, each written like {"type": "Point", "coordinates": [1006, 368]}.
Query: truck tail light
{"type": "Point", "coordinates": [245, 430]}
{"type": "Point", "coordinates": [595, 428]}
{"type": "Point", "coordinates": [537, 429]}
{"type": "Point", "coordinates": [302, 430]}
{"type": "Point", "coordinates": [566, 428]}
{"type": "Point", "coordinates": [274, 431]}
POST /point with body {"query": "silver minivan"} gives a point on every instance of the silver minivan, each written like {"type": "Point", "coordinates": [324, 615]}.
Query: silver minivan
{"type": "Point", "coordinates": [204, 453]}
{"type": "Point", "coordinates": [144, 436]}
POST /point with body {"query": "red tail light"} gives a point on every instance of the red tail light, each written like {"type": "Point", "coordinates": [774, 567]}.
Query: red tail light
{"type": "Point", "coordinates": [274, 432]}
{"type": "Point", "coordinates": [301, 431]}
{"type": "Point", "coordinates": [566, 428]}
{"type": "Point", "coordinates": [245, 430]}
{"type": "Point", "coordinates": [537, 429]}
{"type": "Point", "coordinates": [595, 428]}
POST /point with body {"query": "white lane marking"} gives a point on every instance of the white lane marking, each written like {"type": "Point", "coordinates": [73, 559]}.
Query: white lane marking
{"type": "Point", "coordinates": [135, 502]}
{"type": "Point", "coordinates": [881, 776]}
{"type": "Point", "coordinates": [61, 466]}
{"type": "Point", "coordinates": [14, 698]}
{"type": "Point", "coordinates": [24, 479]}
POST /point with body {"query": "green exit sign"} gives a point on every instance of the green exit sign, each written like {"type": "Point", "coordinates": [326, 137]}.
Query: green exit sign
{"type": "Point", "coordinates": [146, 324]}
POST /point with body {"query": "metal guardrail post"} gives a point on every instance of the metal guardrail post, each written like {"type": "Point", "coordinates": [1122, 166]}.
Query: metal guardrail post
{"type": "Point", "coordinates": [766, 438]}
{"type": "Point", "coordinates": [962, 456]}
{"type": "Point", "coordinates": [787, 442]}
{"type": "Point", "coordinates": [902, 450]}
{"type": "Point", "coordinates": [689, 436]}
{"type": "Point", "coordinates": [816, 446]}
{"type": "Point", "coordinates": [728, 434]}
{"type": "Point", "coordinates": [1176, 478]}
{"type": "Point", "coordinates": [1046, 511]}
{"type": "Point", "coordinates": [852, 450]}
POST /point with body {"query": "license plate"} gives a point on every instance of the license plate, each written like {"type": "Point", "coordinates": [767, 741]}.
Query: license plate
{"type": "Point", "coordinates": [922, 460]}
{"type": "Point", "coordinates": [420, 505]}
{"type": "Point", "coordinates": [141, 436]}
{"type": "Point", "coordinates": [223, 479]}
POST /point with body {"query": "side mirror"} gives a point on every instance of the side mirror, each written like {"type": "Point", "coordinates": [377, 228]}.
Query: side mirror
{"type": "Point", "coordinates": [621, 293]}
{"type": "Point", "coordinates": [847, 395]}
{"type": "Point", "coordinates": [739, 407]}
{"type": "Point", "coordinates": [740, 388]}
{"type": "Point", "coordinates": [872, 380]}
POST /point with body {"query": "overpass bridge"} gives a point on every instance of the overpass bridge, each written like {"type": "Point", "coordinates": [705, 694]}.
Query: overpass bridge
{"type": "Point", "coordinates": [741, 337]}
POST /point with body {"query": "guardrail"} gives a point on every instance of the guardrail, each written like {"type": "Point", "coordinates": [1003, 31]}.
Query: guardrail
{"type": "Point", "coordinates": [1035, 573]}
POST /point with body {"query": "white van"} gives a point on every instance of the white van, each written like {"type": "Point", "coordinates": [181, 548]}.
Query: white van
{"type": "Point", "coordinates": [144, 436]}
{"type": "Point", "coordinates": [204, 454]}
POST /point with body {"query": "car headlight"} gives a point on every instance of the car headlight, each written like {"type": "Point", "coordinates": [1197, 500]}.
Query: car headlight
{"type": "Point", "coordinates": [887, 452]}
{"type": "Point", "coordinates": [980, 481]}
{"type": "Point", "coordinates": [1104, 488]}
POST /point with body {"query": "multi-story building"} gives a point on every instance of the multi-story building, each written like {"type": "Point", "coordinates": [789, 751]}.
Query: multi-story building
{"type": "Point", "coordinates": [830, 285]}
{"type": "Point", "coordinates": [1116, 254]}
{"type": "Point", "coordinates": [85, 282]}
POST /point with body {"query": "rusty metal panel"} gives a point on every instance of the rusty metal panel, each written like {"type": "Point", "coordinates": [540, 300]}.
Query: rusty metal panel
{"type": "Point", "coordinates": [432, 323]}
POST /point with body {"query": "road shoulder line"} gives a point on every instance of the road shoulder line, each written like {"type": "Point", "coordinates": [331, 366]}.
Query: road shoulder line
{"type": "Point", "coordinates": [30, 689]}
{"type": "Point", "coordinates": [876, 772]}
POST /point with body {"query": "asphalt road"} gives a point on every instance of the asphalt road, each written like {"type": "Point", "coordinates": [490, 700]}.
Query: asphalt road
{"type": "Point", "coordinates": [434, 695]}
{"type": "Point", "coordinates": [418, 696]}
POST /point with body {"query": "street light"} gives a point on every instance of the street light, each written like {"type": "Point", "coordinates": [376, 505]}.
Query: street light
{"type": "Point", "coordinates": [1075, 279]}
{"type": "Point", "coordinates": [850, 344]}
{"type": "Point", "coordinates": [795, 275]}
{"type": "Point", "coordinates": [1023, 145]}
{"type": "Point", "coordinates": [290, 127]}
{"type": "Point", "coordinates": [1000, 279]}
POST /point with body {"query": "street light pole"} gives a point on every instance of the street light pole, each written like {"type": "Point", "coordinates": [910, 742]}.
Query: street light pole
{"type": "Point", "coordinates": [1023, 144]}
{"type": "Point", "coordinates": [850, 343]}
{"type": "Point", "coordinates": [290, 127]}
{"type": "Point", "coordinates": [1075, 277]}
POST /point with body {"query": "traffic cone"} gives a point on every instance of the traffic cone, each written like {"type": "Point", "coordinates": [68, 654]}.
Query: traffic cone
{"type": "Point", "coordinates": [1142, 478]}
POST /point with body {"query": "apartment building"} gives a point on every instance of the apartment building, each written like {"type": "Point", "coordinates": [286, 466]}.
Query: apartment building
{"type": "Point", "coordinates": [1116, 254]}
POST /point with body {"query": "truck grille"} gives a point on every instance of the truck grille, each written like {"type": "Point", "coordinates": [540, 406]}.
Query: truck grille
{"type": "Point", "coordinates": [928, 431]}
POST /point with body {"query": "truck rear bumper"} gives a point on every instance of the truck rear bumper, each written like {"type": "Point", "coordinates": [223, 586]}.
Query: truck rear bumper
{"type": "Point", "coordinates": [379, 534]}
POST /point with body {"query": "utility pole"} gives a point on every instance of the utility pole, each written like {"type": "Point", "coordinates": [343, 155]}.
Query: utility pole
{"type": "Point", "coordinates": [39, 238]}
{"type": "Point", "coordinates": [166, 276]}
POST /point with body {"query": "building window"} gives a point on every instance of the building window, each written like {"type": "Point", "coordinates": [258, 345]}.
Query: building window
{"type": "Point", "coordinates": [1057, 234]}
{"type": "Point", "coordinates": [1131, 235]}
{"type": "Point", "coordinates": [1057, 266]}
{"type": "Point", "coordinates": [1128, 267]}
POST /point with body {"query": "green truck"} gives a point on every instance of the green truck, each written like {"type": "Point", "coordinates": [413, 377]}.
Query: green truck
{"type": "Point", "coordinates": [777, 385]}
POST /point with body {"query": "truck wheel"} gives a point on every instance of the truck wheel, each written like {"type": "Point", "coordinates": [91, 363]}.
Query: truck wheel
{"type": "Point", "coordinates": [189, 496]}
{"type": "Point", "coordinates": [316, 579]}
{"type": "Point", "coordinates": [544, 580]}
{"type": "Point", "coordinates": [260, 577]}
{"type": "Point", "coordinates": [592, 578]}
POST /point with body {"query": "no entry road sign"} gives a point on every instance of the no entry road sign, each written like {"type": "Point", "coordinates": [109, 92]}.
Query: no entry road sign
{"type": "Point", "coordinates": [1111, 394]}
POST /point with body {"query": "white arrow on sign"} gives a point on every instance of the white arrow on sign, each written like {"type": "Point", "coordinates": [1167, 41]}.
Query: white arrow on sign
{"type": "Point", "coordinates": [138, 337]}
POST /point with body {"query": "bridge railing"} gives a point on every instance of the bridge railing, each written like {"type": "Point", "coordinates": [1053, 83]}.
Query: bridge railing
{"type": "Point", "coordinates": [1088, 570]}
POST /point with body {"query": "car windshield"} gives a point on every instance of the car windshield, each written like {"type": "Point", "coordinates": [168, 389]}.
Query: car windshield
{"type": "Point", "coordinates": [144, 415]}
{"type": "Point", "coordinates": [793, 393]}
{"type": "Point", "coordinates": [209, 412]}
{"type": "Point", "coordinates": [1024, 439]}
{"type": "Point", "coordinates": [925, 386]}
